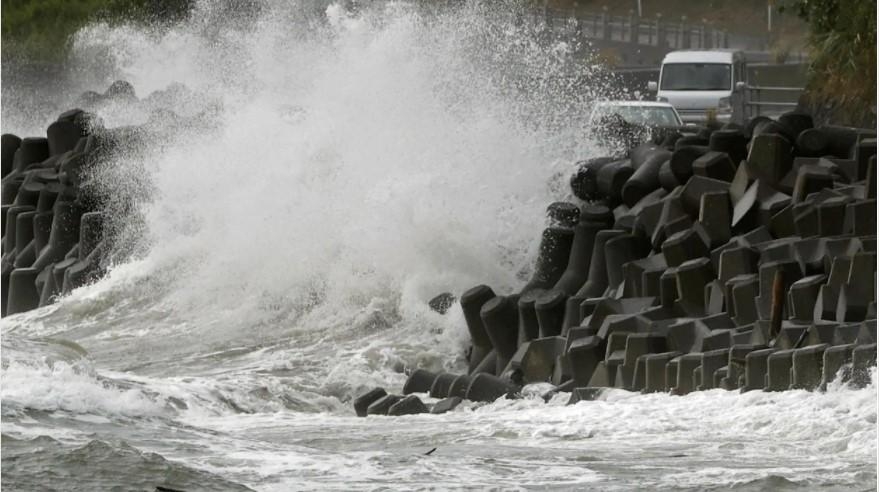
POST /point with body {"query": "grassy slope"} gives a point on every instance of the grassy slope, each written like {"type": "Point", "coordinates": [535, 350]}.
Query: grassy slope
{"type": "Point", "coordinates": [41, 29]}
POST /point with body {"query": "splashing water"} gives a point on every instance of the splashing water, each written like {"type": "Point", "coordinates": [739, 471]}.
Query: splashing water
{"type": "Point", "coordinates": [347, 165]}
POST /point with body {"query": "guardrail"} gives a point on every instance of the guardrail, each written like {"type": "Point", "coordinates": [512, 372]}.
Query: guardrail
{"type": "Point", "coordinates": [763, 101]}
{"type": "Point", "coordinates": [659, 31]}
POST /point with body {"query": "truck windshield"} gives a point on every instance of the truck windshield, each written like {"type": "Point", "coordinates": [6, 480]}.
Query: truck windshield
{"type": "Point", "coordinates": [696, 77]}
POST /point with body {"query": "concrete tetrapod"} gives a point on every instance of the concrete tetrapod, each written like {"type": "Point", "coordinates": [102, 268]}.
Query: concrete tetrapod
{"type": "Point", "coordinates": [488, 388]}
{"type": "Point", "coordinates": [552, 259]}
{"type": "Point", "coordinates": [500, 317]}
{"type": "Point", "coordinates": [362, 402]}
{"type": "Point", "coordinates": [471, 304]}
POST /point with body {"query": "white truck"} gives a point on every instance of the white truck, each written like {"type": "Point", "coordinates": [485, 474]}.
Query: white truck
{"type": "Point", "coordinates": [701, 83]}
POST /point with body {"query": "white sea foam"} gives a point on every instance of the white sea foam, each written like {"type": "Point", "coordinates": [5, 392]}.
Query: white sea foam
{"type": "Point", "coordinates": [359, 163]}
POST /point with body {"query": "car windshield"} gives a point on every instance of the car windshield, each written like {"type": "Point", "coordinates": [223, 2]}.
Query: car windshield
{"type": "Point", "coordinates": [695, 77]}
{"type": "Point", "coordinates": [642, 115]}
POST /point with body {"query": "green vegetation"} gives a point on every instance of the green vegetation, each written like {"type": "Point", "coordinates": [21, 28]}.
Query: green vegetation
{"type": "Point", "coordinates": [42, 29]}
{"type": "Point", "coordinates": [842, 41]}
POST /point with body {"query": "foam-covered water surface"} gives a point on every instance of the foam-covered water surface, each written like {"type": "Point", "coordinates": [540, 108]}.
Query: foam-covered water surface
{"type": "Point", "coordinates": [333, 167]}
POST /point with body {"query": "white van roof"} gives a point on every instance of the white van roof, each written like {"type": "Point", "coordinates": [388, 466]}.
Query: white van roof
{"type": "Point", "coordinates": [699, 56]}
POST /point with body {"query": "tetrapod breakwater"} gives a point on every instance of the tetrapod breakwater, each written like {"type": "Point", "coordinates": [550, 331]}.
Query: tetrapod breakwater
{"type": "Point", "coordinates": [733, 257]}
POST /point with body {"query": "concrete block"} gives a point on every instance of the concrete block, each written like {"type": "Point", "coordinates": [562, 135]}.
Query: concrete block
{"type": "Point", "coordinates": [715, 165]}
{"type": "Point", "coordinates": [863, 360]}
{"type": "Point", "coordinates": [697, 186]}
{"type": "Point", "coordinates": [500, 316]}
{"type": "Point", "coordinates": [645, 179]}
{"type": "Point", "coordinates": [536, 359]}
{"type": "Point", "coordinates": [603, 376]}
{"type": "Point", "coordinates": [870, 181]}
{"type": "Point", "coordinates": [563, 214]}
{"type": "Point", "coordinates": [845, 334]}
{"type": "Point", "coordinates": [362, 402]}
{"type": "Point", "coordinates": [790, 336]}
{"type": "Point", "coordinates": [714, 298]}
{"type": "Point", "coordinates": [737, 261]}
{"type": "Point", "coordinates": [668, 288]}
{"type": "Point", "coordinates": [717, 339]}
{"type": "Point", "coordinates": [633, 274]}
{"type": "Point", "coordinates": [442, 384]}
{"type": "Point", "coordinates": [770, 158]}
{"type": "Point", "coordinates": [576, 273]}
{"type": "Point", "coordinates": [778, 376]}
{"type": "Point", "coordinates": [756, 369]}
{"type": "Point", "coordinates": [807, 366]}
{"type": "Point", "coordinates": [790, 270]}
{"type": "Point", "coordinates": [552, 258]}
{"type": "Point", "coordinates": [682, 374]}
{"type": "Point", "coordinates": [655, 369]}
{"type": "Point", "coordinates": [529, 327]}
{"type": "Point", "coordinates": [715, 215]}
{"type": "Point", "coordinates": [741, 293]}
{"type": "Point", "coordinates": [806, 220]}
{"type": "Point", "coordinates": [782, 224]}
{"type": "Point", "coordinates": [683, 246]}
{"type": "Point", "coordinates": [686, 336]}
{"type": "Point", "coordinates": [446, 405]}
{"type": "Point", "coordinates": [651, 278]}
{"type": "Point", "coordinates": [382, 405]}
{"type": "Point", "coordinates": [831, 216]}
{"type": "Point", "coordinates": [584, 354]}
{"type": "Point", "coordinates": [691, 277]}
{"type": "Point", "coordinates": [584, 181]}
{"type": "Point", "coordinates": [865, 151]}
{"type": "Point", "coordinates": [611, 179]}
{"type": "Point", "coordinates": [550, 311]}
{"type": "Point", "coordinates": [419, 381]}
{"type": "Point", "coordinates": [409, 405]}
{"type": "Point", "coordinates": [485, 387]}
{"type": "Point", "coordinates": [837, 363]}
{"type": "Point", "coordinates": [621, 250]}
{"type": "Point", "coordinates": [459, 387]}
{"type": "Point", "coordinates": [732, 142]}
{"type": "Point", "coordinates": [811, 179]}
{"type": "Point", "coordinates": [711, 362]}
{"type": "Point", "coordinates": [744, 209]}
{"type": "Point", "coordinates": [866, 332]}
{"type": "Point", "coordinates": [860, 218]}
{"type": "Point", "coordinates": [597, 280]}
{"type": "Point", "coordinates": [735, 368]}
{"type": "Point", "coordinates": [681, 161]}
{"type": "Point", "coordinates": [812, 142]}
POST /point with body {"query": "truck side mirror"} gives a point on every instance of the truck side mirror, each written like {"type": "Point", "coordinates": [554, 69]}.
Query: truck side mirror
{"type": "Point", "coordinates": [740, 86]}
{"type": "Point", "coordinates": [652, 86]}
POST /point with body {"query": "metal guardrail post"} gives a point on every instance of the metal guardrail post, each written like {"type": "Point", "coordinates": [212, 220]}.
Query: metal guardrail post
{"type": "Point", "coordinates": [685, 33]}
{"type": "Point", "coordinates": [634, 24]}
{"type": "Point", "coordinates": [605, 31]}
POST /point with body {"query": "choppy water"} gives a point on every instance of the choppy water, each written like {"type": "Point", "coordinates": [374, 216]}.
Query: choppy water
{"type": "Point", "coordinates": [355, 164]}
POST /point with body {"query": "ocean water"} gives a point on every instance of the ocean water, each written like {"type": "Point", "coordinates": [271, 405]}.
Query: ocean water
{"type": "Point", "coordinates": [275, 256]}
